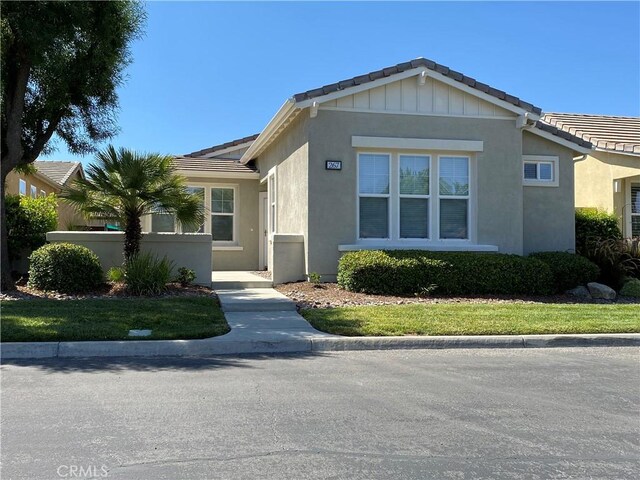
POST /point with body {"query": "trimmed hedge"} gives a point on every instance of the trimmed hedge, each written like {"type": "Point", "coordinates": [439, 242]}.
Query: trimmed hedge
{"type": "Point", "coordinates": [414, 272]}
{"type": "Point", "coordinates": [64, 267]}
{"type": "Point", "coordinates": [569, 270]}
{"type": "Point", "coordinates": [593, 225]}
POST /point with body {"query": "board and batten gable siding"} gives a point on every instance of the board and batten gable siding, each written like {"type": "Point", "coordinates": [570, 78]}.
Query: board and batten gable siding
{"type": "Point", "coordinates": [549, 213]}
{"type": "Point", "coordinates": [333, 196]}
{"type": "Point", "coordinates": [408, 96]}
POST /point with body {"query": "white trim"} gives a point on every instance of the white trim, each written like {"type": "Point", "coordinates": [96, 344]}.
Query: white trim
{"type": "Point", "coordinates": [629, 201]}
{"type": "Point", "coordinates": [471, 220]}
{"type": "Point", "coordinates": [436, 247]}
{"type": "Point", "coordinates": [235, 215]}
{"type": "Point", "coordinates": [214, 175]}
{"type": "Point", "coordinates": [286, 110]}
{"type": "Point", "coordinates": [427, 197]}
{"type": "Point", "coordinates": [262, 230]}
{"type": "Point", "coordinates": [420, 114]}
{"type": "Point", "coordinates": [417, 143]}
{"type": "Point", "coordinates": [538, 159]}
{"type": "Point", "coordinates": [22, 182]}
{"type": "Point", "coordinates": [559, 140]}
{"type": "Point", "coordinates": [225, 248]}
{"type": "Point", "coordinates": [33, 191]}
{"type": "Point", "coordinates": [375, 195]}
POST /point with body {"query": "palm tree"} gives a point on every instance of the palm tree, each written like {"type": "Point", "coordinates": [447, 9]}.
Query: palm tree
{"type": "Point", "coordinates": [124, 185]}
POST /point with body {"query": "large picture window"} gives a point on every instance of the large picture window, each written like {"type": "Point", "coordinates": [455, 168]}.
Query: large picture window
{"type": "Point", "coordinates": [374, 194]}
{"type": "Point", "coordinates": [454, 197]}
{"type": "Point", "coordinates": [222, 214]}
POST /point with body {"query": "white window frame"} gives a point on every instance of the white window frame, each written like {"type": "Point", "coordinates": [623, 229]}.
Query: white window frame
{"type": "Point", "coordinates": [209, 225]}
{"type": "Point", "coordinates": [33, 191]}
{"type": "Point", "coordinates": [375, 195]}
{"type": "Point", "coordinates": [43, 193]}
{"type": "Point", "coordinates": [424, 197]}
{"type": "Point", "coordinates": [434, 240]}
{"type": "Point", "coordinates": [205, 210]}
{"type": "Point", "coordinates": [542, 159]}
{"type": "Point", "coordinates": [22, 183]}
{"type": "Point", "coordinates": [272, 194]}
{"type": "Point", "coordinates": [632, 214]}
{"type": "Point", "coordinates": [466, 197]}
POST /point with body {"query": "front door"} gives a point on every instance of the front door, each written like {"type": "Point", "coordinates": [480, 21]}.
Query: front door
{"type": "Point", "coordinates": [263, 231]}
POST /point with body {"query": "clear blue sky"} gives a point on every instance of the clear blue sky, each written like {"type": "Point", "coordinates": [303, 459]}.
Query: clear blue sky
{"type": "Point", "coordinates": [206, 72]}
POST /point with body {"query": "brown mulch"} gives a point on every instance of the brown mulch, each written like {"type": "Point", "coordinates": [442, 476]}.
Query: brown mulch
{"type": "Point", "coordinates": [329, 295]}
{"type": "Point", "coordinates": [109, 290]}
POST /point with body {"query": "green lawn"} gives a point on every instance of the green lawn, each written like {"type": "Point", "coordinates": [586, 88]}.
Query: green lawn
{"type": "Point", "coordinates": [476, 319]}
{"type": "Point", "coordinates": [110, 319]}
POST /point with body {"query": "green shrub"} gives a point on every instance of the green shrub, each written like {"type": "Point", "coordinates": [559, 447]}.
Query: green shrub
{"type": "Point", "coordinates": [631, 288]}
{"type": "Point", "coordinates": [593, 226]}
{"type": "Point", "coordinates": [413, 272]}
{"type": "Point", "coordinates": [186, 276]}
{"type": "Point", "coordinates": [314, 278]}
{"type": "Point", "coordinates": [569, 270]}
{"type": "Point", "coordinates": [64, 267]}
{"type": "Point", "coordinates": [28, 221]}
{"type": "Point", "coordinates": [617, 260]}
{"type": "Point", "coordinates": [116, 274]}
{"type": "Point", "coordinates": [146, 274]}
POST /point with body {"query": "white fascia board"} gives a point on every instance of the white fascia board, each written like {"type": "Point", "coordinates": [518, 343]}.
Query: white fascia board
{"type": "Point", "coordinates": [222, 151]}
{"type": "Point", "coordinates": [361, 88]}
{"type": "Point", "coordinates": [209, 174]}
{"type": "Point", "coordinates": [278, 119]}
{"type": "Point", "coordinates": [559, 140]}
{"type": "Point", "coordinates": [418, 143]}
{"type": "Point", "coordinates": [617, 152]}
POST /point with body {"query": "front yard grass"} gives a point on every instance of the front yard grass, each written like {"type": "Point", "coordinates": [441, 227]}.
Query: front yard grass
{"type": "Point", "coordinates": [110, 319]}
{"type": "Point", "coordinates": [476, 319]}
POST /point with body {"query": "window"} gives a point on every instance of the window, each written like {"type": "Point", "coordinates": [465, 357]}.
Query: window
{"type": "Point", "coordinates": [374, 195]}
{"type": "Point", "coordinates": [540, 170]}
{"type": "Point", "coordinates": [272, 202]}
{"type": "Point", "coordinates": [34, 191]}
{"type": "Point", "coordinates": [194, 229]}
{"type": "Point", "coordinates": [22, 187]}
{"type": "Point", "coordinates": [43, 193]}
{"type": "Point", "coordinates": [453, 184]}
{"type": "Point", "coordinates": [414, 196]}
{"type": "Point", "coordinates": [162, 221]}
{"type": "Point", "coordinates": [222, 214]}
{"type": "Point", "coordinates": [635, 209]}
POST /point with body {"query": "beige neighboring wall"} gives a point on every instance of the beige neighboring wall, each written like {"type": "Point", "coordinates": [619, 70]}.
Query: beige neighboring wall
{"type": "Point", "coordinates": [594, 178]}
{"type": "Point", "coordinates": [549, 223]}
{"type": "Point", "coordinates": [332, 194]}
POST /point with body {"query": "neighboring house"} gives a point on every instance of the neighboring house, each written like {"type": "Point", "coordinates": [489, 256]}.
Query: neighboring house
{"type": "Point", "coordinates": [608, 177]}
{"type": "Point", "coordinates": [50, 177]}
{"type": "Point", "coordinates": [412, 156]}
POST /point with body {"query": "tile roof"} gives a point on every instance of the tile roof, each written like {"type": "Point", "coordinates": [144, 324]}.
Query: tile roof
{"type": "Point", "coordinates": [605, 132]}
{"type": "Point", "coordinates": [222, 146]}
{"type": "Point", "coordinates": [419, 62]}
{"type": "Point", "coordinates": [59, 172]}
{"type": "Point", "coordinates": [201, 164]}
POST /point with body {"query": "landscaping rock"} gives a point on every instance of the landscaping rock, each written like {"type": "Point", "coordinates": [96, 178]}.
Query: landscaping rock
{"type": "Point", "coordinates": [598, 290]}
{"type": "Point", "coordinates": [580, 291]}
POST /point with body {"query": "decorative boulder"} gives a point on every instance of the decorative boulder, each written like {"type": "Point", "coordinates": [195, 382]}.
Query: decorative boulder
{"type": "Point", "coordinates": [581, 292]}
{"type": "Point", "coordinates": [598, 290]}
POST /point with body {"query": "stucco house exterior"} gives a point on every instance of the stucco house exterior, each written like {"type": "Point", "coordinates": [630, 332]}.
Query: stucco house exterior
{"type": "Point", "coordinates": [50, 177]}
{"type": "Point", "coordinates": [608, 178]}
{"type": "Point", "coordinates": [412, 156]}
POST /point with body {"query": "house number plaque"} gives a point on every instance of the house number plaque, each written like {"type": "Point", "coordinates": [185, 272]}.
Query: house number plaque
{"type": "Point", "coordinates": [333, 165]}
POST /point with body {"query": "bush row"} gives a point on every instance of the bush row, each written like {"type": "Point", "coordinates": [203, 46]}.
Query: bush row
{"type": "Point", "coordinates": [415, 272]}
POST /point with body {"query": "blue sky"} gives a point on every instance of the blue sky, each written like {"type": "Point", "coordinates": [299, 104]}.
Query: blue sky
{"type": "Point", "coordinates": [209, 72]}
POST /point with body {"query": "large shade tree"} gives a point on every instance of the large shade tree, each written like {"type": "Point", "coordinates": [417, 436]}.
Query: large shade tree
{"type": "Point", "coordinates": [124, 186]}
{"type": "Point", "coordinates": [61, 64]}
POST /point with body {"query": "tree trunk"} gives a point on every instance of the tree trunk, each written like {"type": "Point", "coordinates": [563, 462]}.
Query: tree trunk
{"type": "Point", "coordinates": [132, 236]}
{"type": "Point", "coordinates": [7, 282]}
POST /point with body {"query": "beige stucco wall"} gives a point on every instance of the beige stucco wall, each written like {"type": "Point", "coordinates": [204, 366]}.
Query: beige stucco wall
{"type": "Point", "coordinates": [191, 250]}
{"type": "Point", "coordinates": [549, 223]}
{"type": "Point", "coordinates": [247, 229]}
{"type": "Point", "coordinates": [332, 194]}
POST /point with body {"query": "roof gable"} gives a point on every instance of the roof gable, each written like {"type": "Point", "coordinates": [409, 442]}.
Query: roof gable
{"type": "Point", "coordinates": [59, 172]}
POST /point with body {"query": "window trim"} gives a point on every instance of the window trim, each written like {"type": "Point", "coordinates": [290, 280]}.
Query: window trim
{"type": "Point", "coordinates": [22, 182]}
{"type": "Point", "coordinates": [272, 200]}
{"type": "Point", "coordinates": [434, 240]}
{"type": "Point", "coordinates": [43, 193]}
{"type": "Point", "coordinates": [632, 185]}
{"type": "Point", "coordinates": [208, 220]}
{"type": "Point", "coordinates": [539, 159]}
{"type": "Point", "coordinates": [33, 192]}
{"type": "Point", "coordinates": [466, 197]}
{"type": "Point", "coordinates": [428, 197]}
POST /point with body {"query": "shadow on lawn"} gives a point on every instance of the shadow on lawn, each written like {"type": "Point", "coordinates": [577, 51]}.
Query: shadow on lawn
{"type": "Point", "coordinates": [155, 364]}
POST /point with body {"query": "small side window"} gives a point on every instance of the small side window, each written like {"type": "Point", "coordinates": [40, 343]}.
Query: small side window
{"type": "Point", "coordinates": [538, 170]}
{"type": "Point", "coordinates": [22, 187]}
{"type": "Point", "coordinates": [34, 191]}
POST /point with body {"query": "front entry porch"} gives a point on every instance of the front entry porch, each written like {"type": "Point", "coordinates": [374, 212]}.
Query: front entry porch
{"type": "Point", "coordinates": [238, 280]}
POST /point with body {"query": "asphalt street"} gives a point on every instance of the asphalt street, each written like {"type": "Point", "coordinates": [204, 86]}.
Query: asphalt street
{"type": "Point", "coordinates": [441, 414]}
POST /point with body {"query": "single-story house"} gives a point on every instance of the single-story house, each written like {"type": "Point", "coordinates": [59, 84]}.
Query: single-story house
{"type": "Point", "coordinates": [608, 178]}
{"type": "Point", "coordinates": [50, 177]}
{"type": "Point", "coordinates": [414, 156]}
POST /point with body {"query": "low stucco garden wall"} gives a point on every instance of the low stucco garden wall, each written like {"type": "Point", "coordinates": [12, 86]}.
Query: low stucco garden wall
{"type": "Point", "coordinates": [286, 258]}
{"type": "Point", "coordinates": [190, 250]}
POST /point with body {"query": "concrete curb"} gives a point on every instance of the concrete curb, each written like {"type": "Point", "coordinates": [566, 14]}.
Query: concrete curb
{"type": "Point", "coordinates": [233, 344]}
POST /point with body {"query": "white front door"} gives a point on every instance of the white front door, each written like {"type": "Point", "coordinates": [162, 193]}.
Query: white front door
{"type": "Point", "coordinates": [263, 233]}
